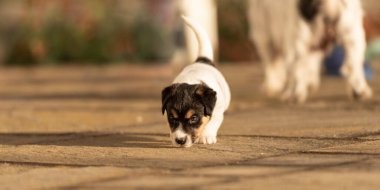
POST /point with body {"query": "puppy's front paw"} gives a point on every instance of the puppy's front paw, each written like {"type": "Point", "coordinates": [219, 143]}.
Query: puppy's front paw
{"type": "Point", "coordinates": [207, 139]}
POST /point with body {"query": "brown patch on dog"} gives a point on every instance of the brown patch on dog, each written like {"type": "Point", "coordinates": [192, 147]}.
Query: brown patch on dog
{"type": "Point", "coordinates": [199, 130]}
{"type": "Point", "coordinates": [201, 90]}
{"type": "Point", "coordinates": [189, 113]}
{"type": "Point", "coordinates": [174, 113]}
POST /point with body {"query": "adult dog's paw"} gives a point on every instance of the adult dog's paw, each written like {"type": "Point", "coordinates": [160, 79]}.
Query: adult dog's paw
{"type": "Point", "coordinates": [364, 94]}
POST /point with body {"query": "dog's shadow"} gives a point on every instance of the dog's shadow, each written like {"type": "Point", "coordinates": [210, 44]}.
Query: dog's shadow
{"type": "Point", "coordinates": [90, 139]}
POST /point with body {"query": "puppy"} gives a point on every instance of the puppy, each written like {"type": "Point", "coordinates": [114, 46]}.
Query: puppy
{"type": "Point", "coordinates": [196, 101]}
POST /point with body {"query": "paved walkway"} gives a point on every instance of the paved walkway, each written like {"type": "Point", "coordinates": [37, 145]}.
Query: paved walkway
{"type": "Point", "coordinates": [101, 128]}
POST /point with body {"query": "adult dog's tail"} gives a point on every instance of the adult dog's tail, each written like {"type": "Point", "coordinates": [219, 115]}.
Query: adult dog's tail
{"type": "Point", "coordinates": [205, 51]}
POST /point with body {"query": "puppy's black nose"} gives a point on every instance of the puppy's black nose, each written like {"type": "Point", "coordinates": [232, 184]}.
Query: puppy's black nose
{"type": "Point", "coordinates": [180, 141]}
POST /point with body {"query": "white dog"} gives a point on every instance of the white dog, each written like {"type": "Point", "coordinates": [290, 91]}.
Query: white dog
{"type": "Point", "coordinates": [293, 36]}
{"type": "Point", "coordinates": [196, 101]}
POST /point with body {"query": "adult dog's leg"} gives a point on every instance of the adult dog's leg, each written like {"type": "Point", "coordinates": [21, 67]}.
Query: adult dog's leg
{"type": "Point", "coordinates": [301, 67]}
{"type": "Point", "coordinates": [353, 67]}
{"type": "Point", "coordinates": [275, 77]}
{"type": "Point", "coordinates": [297, 86]}
{"type": "Point", "coordinates": [205, 13]}
{"type": "Point", "coordinates": [314, 70]}
{"type": "Point", "coordinates": [305, 76]}
{"type": "Point", "coordinates": [351, 33]}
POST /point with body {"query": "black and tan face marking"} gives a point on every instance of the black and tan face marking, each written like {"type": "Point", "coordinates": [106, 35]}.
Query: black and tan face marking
{"type": "Point", "coordinates": [174, 114]}
{"type": "Point", "coordinates": [189, 108]}
{"type": "Point", "coordinates": [187, 126]}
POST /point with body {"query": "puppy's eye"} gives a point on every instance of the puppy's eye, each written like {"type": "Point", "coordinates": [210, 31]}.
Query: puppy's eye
{"type": "Point", "coordinates": [194, 119]}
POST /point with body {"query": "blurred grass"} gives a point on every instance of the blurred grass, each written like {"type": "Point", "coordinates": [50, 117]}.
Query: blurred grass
{"type": "Point", "coordinates": [101, 35]}
{"type": "Point", "coordinates": [233, 32]}
{"type": "Point", "coordinates": [102, 32]}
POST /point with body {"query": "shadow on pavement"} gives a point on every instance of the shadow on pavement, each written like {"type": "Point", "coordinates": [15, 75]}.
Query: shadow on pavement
{"type": "Point", "coordinates": [92, 139]}
{"type": "Point", "coordinates": [84, 95]}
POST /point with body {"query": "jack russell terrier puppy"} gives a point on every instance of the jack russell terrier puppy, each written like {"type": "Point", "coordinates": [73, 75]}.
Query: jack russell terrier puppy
{"type": "Point", "coordinates": [196, 101]}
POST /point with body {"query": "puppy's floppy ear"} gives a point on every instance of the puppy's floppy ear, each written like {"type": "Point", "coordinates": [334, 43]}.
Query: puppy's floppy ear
{"type": "Point", "coordinates": [166, 95]}
{"type": "Point", "coordinates": [208, 98]}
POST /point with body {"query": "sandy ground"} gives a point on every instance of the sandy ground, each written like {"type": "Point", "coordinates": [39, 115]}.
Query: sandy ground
{"type": "Point", "coordinates": [101, 128]}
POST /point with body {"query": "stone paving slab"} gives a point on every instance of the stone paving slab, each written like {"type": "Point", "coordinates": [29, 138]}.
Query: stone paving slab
{"type": "Point", "coordinates": [373, 137]}
{"type": "Point", "coordinates": [157, 181]}
{"type": "Point", "coordinates": [59, 177]}
{"type": "Point", "coordinates": [306, 180]}
{"type": "Point", "coordinates": [369, 147]}
{"type": "Point", "coordinates": [299, 122]}
{"type": "Point", "coordinates": [149, 150]}
{"type": "Point", "coordinates": [73, 121]}
{"type": "Point", "coordinates": [101, 128]}
{"type": "Point", "coordinates": [11, 169]}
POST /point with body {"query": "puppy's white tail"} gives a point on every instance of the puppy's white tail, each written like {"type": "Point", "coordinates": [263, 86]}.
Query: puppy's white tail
{"type": "Point", "coordinates": [204, 44]}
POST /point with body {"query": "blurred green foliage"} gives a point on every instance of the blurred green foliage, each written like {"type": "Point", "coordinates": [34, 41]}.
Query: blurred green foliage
{"type": "Point", "coordinates": [234, 44]}
{"type": "Point", "coordinates": [104, 35]}
{"type": "Point", "coordinates": [150, 41]}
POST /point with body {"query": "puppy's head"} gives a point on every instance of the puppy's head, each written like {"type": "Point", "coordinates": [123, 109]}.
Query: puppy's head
{"type": "Point", "coordinates": [188, 109]}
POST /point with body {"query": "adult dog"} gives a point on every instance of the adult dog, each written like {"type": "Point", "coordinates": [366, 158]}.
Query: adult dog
{"type": "Point", "coordinates": [293, 37]}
